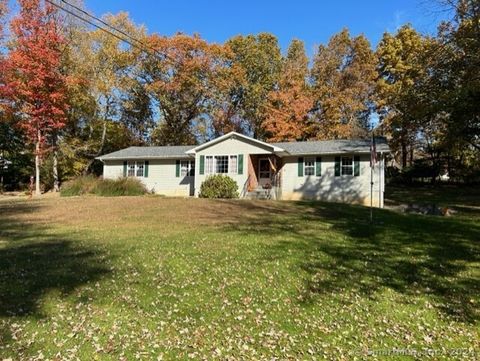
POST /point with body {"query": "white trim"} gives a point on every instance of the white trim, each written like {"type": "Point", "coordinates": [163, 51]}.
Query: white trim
{"type": "Point", "coordinates": [235, 135]}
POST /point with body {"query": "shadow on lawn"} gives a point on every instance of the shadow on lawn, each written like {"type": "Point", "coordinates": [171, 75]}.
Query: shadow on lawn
{"type": "Point", "coordinates": [413, 255]}
{"type": "Point", "coordinates": [34, 262]}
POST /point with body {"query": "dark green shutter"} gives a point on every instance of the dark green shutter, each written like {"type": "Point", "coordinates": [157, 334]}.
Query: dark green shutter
{"type": "Point", "coordinates": [356, 166]}
{"type": "Point", "coordinates": [337, 166]}
{"type": "Point", "coordinates": [145, 171]}
{"type": "Point", "coordinates": [125, 168]}
{"type": "Point", "coordinates": [300, 167]}
{"type": "Point", "coordinates": [318, 166]}
{"type": "Point", "coordinates": [240, 164]}
{"type": "Point", "coordinates": [202, 164]}
{"type": "Point", "coordinates": [177, 169]}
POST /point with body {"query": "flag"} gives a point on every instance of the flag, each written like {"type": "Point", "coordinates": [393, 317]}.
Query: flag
{"type": "Point", "coordinates": [373, 153]}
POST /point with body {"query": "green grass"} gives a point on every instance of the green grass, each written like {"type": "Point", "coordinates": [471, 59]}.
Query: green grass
{"type": "Point", "coordinates": [152, 278]}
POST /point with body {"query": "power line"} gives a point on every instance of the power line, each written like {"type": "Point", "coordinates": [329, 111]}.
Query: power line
{"type": "Point", "coordinates": [143, 47]}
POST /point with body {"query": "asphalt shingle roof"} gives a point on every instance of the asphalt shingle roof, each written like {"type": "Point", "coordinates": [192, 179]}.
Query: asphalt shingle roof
{"type": "Point", "coordinates": [177, 151]}
{"type": "Point", "coordinates": [293, 148]}
{"type": "Point", "coordinates": [333, 146]}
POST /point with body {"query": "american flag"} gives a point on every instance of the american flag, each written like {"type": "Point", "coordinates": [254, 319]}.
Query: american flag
{"type": "Point", "coordinates": [373, 153]}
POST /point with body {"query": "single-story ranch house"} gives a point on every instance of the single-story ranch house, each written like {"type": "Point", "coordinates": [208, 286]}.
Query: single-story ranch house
{"type": "Point", "coordinates": [336, 170]}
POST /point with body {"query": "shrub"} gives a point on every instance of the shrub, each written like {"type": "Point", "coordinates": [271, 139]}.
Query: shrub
{"type": "Point", "coordinates": [119, 187]}
{"type": "Point", "coordinates": [79, 186]}
{"type": "Point", "coordinates": [103, 187]}
{"type": "Point", "coordinates": [219, 186]}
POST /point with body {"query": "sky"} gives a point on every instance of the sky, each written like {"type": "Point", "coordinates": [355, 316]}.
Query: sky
{"type": "Point", "coordinates": [314, 22]}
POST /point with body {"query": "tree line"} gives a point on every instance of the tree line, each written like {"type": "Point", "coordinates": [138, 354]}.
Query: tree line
{"type": "Point", "coordinates": [70, 92]}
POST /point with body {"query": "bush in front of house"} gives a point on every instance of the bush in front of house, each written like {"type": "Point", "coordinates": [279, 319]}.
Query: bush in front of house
{"type": "Point", "coordinates": [103, 187]}
{"type": "Point", "coordinates": [219, 186]}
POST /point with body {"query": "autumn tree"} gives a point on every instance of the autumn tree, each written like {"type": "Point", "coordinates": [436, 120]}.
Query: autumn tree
{"type": "Point", "coordinates": [343, 77]}
{"type": "Point", "coordinates": [260, 59]}
{"type": "Point", "coordinates": [38, 86]}
{"type": "Point", "coordinates": [106, 70]}
{"type": "Point", "coordinates": [184, 76]}
{"type": "Point", "coordinates": [401, 67]}
{"type": "Point", "coordinates": [288, 105]}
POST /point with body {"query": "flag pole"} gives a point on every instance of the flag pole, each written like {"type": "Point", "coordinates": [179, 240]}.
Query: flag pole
{"type": "Point", "coordinates": [371, 193]}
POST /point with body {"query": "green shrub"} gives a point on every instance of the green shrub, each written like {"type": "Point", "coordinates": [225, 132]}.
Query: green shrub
{"type": "Point", "coordinates": [219, 186]}
{"type": "Point", "coordinates": [103, 187]}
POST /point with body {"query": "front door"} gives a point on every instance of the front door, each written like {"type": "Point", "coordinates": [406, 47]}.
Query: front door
{"type": "Point", "coordinates": [264, 172]}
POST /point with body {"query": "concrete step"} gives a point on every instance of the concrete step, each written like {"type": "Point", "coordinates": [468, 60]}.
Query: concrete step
{"type": "Point", "coordinates": [259, 193]}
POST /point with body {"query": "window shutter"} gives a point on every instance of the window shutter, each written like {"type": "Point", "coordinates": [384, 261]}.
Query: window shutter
{"type": "Point", "coordinates": [318, 166]}
{"type": "Point", "coordinates": [300, 167]}
{"type": "Point", "coordinates": [356, 165]}
{"type": "Point", "coordinates": [145, 171]}
{"type": "Point", "coordinates": [240, 164]}
{"type": "Point", "coordinates": [337, 166]}
{"type": "Point", "coordinates": [177, 169]}
{"type": "Point", "coordinates": [202, 165]}
{"type": "Point", "coordinates": [125, 168]}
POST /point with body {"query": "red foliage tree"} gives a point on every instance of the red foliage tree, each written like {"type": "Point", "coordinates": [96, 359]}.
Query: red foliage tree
{"type": "Point", "coordinates": [38, 87]}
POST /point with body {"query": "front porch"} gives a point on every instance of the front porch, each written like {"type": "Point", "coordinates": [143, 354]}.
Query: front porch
{"type": "Point", "coordinates": [264, 177]}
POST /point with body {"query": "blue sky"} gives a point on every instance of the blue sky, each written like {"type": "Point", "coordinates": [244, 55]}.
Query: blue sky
{"type": "Point", "coordinates": [311, 21]}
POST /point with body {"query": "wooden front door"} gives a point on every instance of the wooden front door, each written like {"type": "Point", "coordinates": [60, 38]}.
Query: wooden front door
{"type": "Point", "coordinates": [264, 172]}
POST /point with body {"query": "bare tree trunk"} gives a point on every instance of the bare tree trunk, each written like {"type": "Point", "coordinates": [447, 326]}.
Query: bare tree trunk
{"type": "Point", "coordinates": [404, 154]}
{"type": "Point", "coordinates": [37, 164]}
{"type": "Point", "coordinates": [56, 183]}
{"type": "Point", "coordinates": [100, 150]}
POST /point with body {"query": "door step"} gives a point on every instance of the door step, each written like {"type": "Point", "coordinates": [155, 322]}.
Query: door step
{"type": "Point", "coordinates": [259, 193]}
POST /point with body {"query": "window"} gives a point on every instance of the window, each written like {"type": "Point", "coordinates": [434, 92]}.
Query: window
{"type": "Point", "coordinates": [187, 168]}
{"type": "Point", "coordinates": [140, 169]}
{"type": "Point", "coordinates": [309, 166]}
{"type": "Point", "coordinates": [233, 164]}
{"type": "Point", "coordinates": [208, 164]}
{"type": "Point", "coordinates": [131, 169]}
{"type": "Point", "coordinates": [221, 164]}
{"type": "Point", "coordinates": [347, 166]}
{"type": "Point", "coordinates": [184, 167]}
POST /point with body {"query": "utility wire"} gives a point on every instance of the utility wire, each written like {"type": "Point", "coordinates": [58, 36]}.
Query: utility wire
{"type": "Point", "coordinates": [132, 42]}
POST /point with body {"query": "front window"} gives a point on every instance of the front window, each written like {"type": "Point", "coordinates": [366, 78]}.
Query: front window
{"type": "Point", "coordinates": [140, 169]}
{"type": "Point", "coordinates": [221, 164]}
{"type": "Point", "coordinates": [209, 164]}
{"type": "Point", "coordinates": [131, 169]}
{"type": "Point", "coordinates": [187, 168]}
{"type": "Point", "coordinates": [233, 164]}
{"type": "Point", "coordinates": [309, 166]}
{"type": "Point", "coordinates": [347, 166]}
{"type": "Point", "coordinates": [184, 167]}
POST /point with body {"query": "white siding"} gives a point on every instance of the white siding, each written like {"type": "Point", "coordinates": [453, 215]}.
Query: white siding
{"type": "Point", "coordinates": [230, 146]}
{"type": "Point", "coordinates": [349, 189]}
{"type": "Point", "coordinates": [161, 177]}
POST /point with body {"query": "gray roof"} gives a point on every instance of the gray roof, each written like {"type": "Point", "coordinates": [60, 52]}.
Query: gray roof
{"type": "Point", "coordinates": [293, 148]}
{"type": "Point", "coordinates": [333, 146]}
{"type": "Point", "coordinates": [177, 151]}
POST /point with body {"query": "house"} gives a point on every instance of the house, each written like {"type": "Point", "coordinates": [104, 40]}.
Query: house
{"type": "Point", "coordinates": [334, 170]}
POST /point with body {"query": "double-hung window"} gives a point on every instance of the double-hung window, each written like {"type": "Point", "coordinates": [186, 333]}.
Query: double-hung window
{"type": "Point", "coordinates": [187, 168]}
{"type": "Point", "coordinates": [309, 166]}
{"type": "Point", "coordinates": [135, 169]}
{"type": "Point", "coordinates": [209, 164]}
{"type": "Point", "coordinates": [233, 166]}
{"type": "Point", "coordinates": [347, 166]}
{"type": "Point", "coordinates": [131, 169]}
{"type": "Point", "coordinates": [221, 164]}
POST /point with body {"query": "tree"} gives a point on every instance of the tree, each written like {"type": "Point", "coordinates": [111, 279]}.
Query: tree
{"type": "Point", "coordinates": [184, 77]}
{"type": "Point", "coordinates": [38, 86]}
{"type": "Point", "coordinates": [402, 69]}
{"type": "Point", "coordinates": [343, 76]}
{"type": "Point", "coordinates": [289, 104]}
{"type": "Point", "coordinates": [260, 59]}
{"type": "Point", "coordinates": [107, 72]}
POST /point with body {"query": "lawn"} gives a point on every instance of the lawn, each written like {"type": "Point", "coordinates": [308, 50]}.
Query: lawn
{"type": "Point", "coordinates": [156, 278]}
